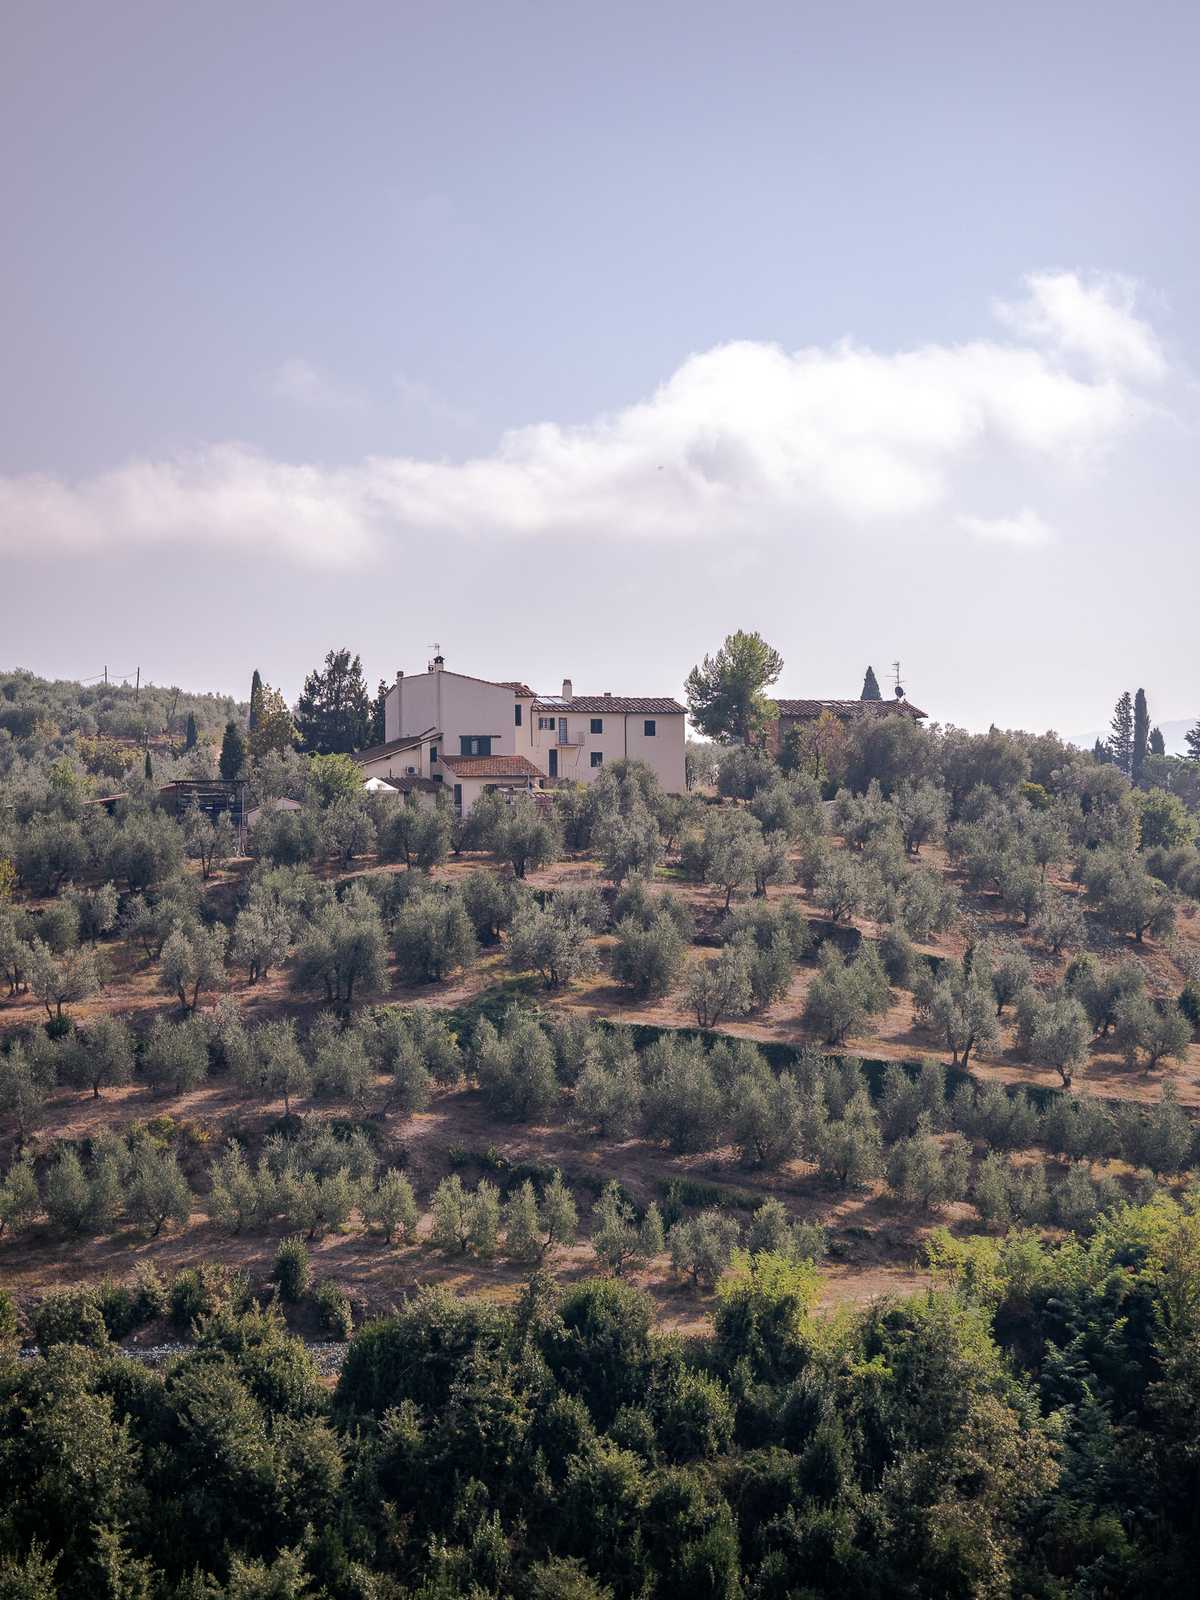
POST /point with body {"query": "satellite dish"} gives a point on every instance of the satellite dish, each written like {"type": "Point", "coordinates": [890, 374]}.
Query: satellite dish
{"type": "Point", "coordinates": [899, 692]}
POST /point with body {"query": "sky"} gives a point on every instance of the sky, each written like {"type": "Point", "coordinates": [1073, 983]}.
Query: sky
{"type": "Point", "coordinates": [574, 337]}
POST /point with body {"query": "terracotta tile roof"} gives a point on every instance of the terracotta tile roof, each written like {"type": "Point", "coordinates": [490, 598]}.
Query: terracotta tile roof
{"type": "Point", "coordinates": [377, 752]}
{"type": "Point", "coordinates": [521, 690]}
{"type": "Point", "coordinates": [848, 708]}
{"type": "Point", "coordinates": [492, 767]}
{"type": "Point", "coordinates": [616, 705]}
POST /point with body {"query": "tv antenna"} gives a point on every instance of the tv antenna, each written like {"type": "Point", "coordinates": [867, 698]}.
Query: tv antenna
{"type": "Point", "coordinates": [896, 680]}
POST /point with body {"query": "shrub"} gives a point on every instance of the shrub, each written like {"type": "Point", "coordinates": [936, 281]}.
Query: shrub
{"type": "Point", "coordinates": [69, 1316]}
{"type": "Point", "coordinates": [334, 1311]}
{"type": "Point", "coordinates": [292, 1270]}
{"type": "Point", "coordinates": [198, 1292]}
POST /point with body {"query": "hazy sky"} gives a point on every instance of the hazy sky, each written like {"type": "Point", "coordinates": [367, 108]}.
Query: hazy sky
{"type": "Point", "coordinates": [575, 336]}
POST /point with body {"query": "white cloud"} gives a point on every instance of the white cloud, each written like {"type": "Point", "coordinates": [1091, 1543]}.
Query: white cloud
{"type": "Point", "coordinates": [742, 441]}
{"type": "Point", "coordinates": [1026, 528]}
{"type": "Point", "coordinates": [1093, 320]}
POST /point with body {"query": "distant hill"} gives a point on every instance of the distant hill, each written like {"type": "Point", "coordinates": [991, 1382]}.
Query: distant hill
{"type": "Point", "coordinates": [1173, 736]}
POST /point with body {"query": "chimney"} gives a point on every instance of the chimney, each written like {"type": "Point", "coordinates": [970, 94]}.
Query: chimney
{"type": "Point", "coordinates": [437, 663]}
{"type": "Point", "coordinates": [399, 673]}
{"type": "Point", "coordinates": [568, 689]}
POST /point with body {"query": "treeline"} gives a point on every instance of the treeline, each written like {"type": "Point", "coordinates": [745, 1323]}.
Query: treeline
{"type": "Point", "coordinates": [92, 726]}
{"type": "Point", "coordinates": [1027, 1428]}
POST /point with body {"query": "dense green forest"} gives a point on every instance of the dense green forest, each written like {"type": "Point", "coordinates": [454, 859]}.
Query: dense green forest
{"type": "Point", "coordinates": [1029, 1427]}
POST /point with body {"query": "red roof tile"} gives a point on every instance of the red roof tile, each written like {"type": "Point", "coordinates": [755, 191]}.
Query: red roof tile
{"type": "Point", "coordinates": [492, 767]}
{"type": "Point", "coordinates": [847, 708]}
{"type": "Point", "coordinates": [616, 705]}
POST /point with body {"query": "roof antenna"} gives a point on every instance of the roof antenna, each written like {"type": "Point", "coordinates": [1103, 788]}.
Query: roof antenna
{"type": "Point", "coordinates": [899, 692]}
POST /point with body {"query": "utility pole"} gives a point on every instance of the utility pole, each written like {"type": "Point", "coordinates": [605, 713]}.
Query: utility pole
{"type": "Point", "coordinates": [106, 677]}
{"type": "Point", "coordinates": [137, 687]}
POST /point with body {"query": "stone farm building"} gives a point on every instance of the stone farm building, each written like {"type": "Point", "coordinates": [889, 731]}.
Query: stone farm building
{"type": "Point", "coordinates": [793, 714]}
{"type": "Point", "coordinates": [450, 731]}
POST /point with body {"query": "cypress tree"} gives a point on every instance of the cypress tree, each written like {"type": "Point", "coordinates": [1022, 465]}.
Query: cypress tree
{"type": "Point", "coordinates": [1100, 753]}
{"type": "Point", "coordinates": [149, 768]}
{"type": "Point", "coordinates": [870, 688]}
{"type": "Point", "coordinates": [378, 731]}
{"type": "Point", "coordinates": [1158, 745]}
{"type": "Point", "coordinates": [1120, 740]}
{"type": "Point", "coordinates": [233, 752]}
{"type": "Point", "coordinates": [189, 742]}
{"type": "Point", "coordinates": [1141, 736]}
{"type": "Point", "coordinates": [256, 695]}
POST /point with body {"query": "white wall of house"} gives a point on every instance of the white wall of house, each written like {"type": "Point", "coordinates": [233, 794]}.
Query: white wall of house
{"type": "Point", "coordinates": [664, 752]}
{"type": "Point", "coordinates": [464, 707]}
{"type": "Point", "coordinates": [414, 762]}
{"type": "Point", "coordinates": [459, 706]}
{"type": "Point", "coordinates": [620, 734]}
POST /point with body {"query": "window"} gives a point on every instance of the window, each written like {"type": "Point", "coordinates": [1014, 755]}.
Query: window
{"type": "Point", "coordinates": [517, 709]}
{"type": "Point", "coordinates": [475, 744]}
{"type": "Point", "coordinates": [545, 723]}
{"type": "Point", "coordinates": [432, 754]}
{"type": "Point", "coordinates": [597, 727]}
{"type": "Point", "coordinates": [597, 758]}
{"type": "Point", "coordinates": [649, 728]}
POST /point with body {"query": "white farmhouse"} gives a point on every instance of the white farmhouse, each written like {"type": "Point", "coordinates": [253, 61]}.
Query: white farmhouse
{"type": "Point", "coordinates": [472, 734]}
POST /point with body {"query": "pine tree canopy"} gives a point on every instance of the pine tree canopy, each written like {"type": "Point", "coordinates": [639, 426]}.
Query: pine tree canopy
{"type": "Point", "coordinates": [333, 715]}
{"type": "Point", "coordinates": [725, 695]}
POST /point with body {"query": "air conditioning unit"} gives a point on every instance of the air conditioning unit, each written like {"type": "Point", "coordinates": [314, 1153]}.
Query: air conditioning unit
{"type": "Point", "coordinates": [411, 772]}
